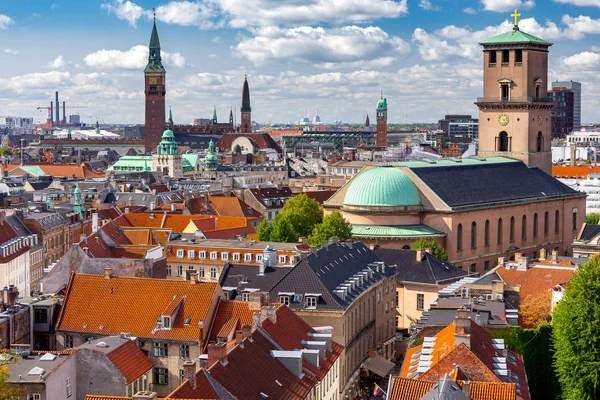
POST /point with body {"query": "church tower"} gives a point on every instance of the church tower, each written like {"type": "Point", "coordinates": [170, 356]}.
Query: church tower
{"type": "Point", "coordinates": [167, 159]}
{"type": "Point", "coordinates": [246, 122]}
{"type": "Point", "coordinates": [381, 138]}
{"type": "Point", "coordinates": [214, 118]}
{"type": "Point", "coordinates": [155, 90]}
{"type": "Point", "coordinates": [515, 111]}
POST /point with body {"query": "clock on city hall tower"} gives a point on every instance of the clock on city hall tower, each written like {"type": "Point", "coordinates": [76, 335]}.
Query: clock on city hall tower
{"type": "Point", "coordinates": [515, 111]}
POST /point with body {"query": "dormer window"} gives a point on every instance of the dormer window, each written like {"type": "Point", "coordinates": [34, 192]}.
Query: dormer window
{"type": "Point", "coordinates": [166, 320]}
{"type": "Point", "coordinates": [214, 255]}
{"type": "Point", "coordinates": [247, 257]}
{"type": "Point", "coordinates": [311, 302]}
{"type": "Point", "coordinates": [236, 256]}
{"type": "Point", "coordinates": [180, 253]}
{"type": "Point", "coordinates": [259, 257]}
{"type": "Point", "coordinates": [225, 256]}
{"type": "Point", "coordinates": [245, 296]}
{"type": "Point", "coordinates": [191, 254]}
{"type": "Point", "coordinates": [284, 300]}
{"type": "Point", "coordinates": [202, 255]}
{"type": "Point", "coordinates": [282, 259]}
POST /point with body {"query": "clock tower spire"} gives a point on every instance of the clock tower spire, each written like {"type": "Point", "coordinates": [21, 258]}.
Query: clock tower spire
{"type": "Point", "coordinates": [155, 91]}
{"type": "Point", "coordinates": [515, 111]}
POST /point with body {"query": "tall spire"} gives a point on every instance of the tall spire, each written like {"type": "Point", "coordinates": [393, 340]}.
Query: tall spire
{"type": "Point", "coordinates": [170, 120]}
{"type": "Point", "coordinates": [231, 116]}
{"type": "Point", "coordinates": [154, 58]}
{"type": "Point", "coordinates": [246, 96]}
{"type": "Point", "coordinates": [215, 115]}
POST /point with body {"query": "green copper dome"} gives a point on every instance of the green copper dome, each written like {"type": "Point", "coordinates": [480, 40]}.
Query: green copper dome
{"type": "Point", "coordinates": [168, 134]}
{"type": "Point", "coordinates": [382, 104]}
{"type": "Point", "coordinates": [382, 187]}
{"type": "Point", "coordinates": [77, 189]}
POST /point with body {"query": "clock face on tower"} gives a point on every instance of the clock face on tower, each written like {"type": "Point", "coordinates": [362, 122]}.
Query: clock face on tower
{"type": "Point", "coordinates": [540, 120]}
{"type": "Point", "coordinates": [503, 119]}
{"type": "Point", "coordinates": [153, 81]}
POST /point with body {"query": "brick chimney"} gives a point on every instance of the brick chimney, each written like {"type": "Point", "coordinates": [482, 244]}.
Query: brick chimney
{"type": "Point", "coordinates": [419, 254]}
{"type": "Point", "coordinates": [189, 372]}
{"type": "Point", "coordinates": [193, 278]}
{"type": "Point", "coordinates": [554, 255]}
{"type": "Point", "coordinates": [107, 273]}
{"type": "Point", "coordinates": [542, 254]}
{"type": "Point", "coordinates": [462, 329]}
{"type": "Point", "coordinates": [217, 352]}
{"type": "Point", "coordinates": [239, 336]}
{"type": "Point", "coordinates": [247, 330]}
{"type": "Point", "coordinates": [257, 299]}
{"type": "Point", "coordinates": [269, 312]}
{"type": "Point", "coordinates": [257, 319]}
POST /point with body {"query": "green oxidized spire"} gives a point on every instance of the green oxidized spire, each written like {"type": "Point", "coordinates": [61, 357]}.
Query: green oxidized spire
{"type": "Point", "coordinates": [154, 59]}
{"type": "Point", "coordinates": [69, 134]}
{"type": "Point", "coordinates": [382, 104]}
{"type": "Point", "coordinates": [170, 121]}
{"type": "Point", "coordinates": [215, 115]}
{"type": "Point", "coordinates": [211, 160]}
{"type": "Point", "coordinates": [77, 201]}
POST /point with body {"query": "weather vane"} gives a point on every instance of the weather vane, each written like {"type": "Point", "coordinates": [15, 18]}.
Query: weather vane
{"type": "Point", "coordinates": [154, 12]}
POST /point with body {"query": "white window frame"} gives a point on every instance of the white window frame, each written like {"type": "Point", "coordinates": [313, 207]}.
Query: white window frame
{"type": "Point", "coordinates": [180, 270]}
{"type": "Point", "coordinates": [180, 253]}
{"type": "Point", "coordinates": [284, 300]}
{"type": "Point", "coordinates": [311, 302]}
{"type": "Point", "coordinates": [282, 259]}
{"type": "Point", "coordinates": [248, 257]}
{"type": "Point", "coordinates": [259, 257]}
{"type": "Point", "coordinates": [225, 256]}
{"type": "Point", "coordinates": [213, 273]}
{"type": "Point", "coordinates": [166, 321]}
{"type": "Point", "coordinates": [202, 255]}
{"type": "Point", "coordinates": [164, 375]}
{"type": "Point", "coordinates": [245, 296]}
{"type": "Point", "coordinates": [169, 272]}
{"type": "Point", "coordinates": [184, 351]}
{"type": "Point", "coordinates": [68, 386]}
{"type": "Point", "coordinates": [191, 254]}
{"type": "Point", "coordinates": [237, 257]}
{"type": "Point", "coordinates": [214, 255]}
{"type": "Point", "coordinates": [34, 396]}
{"type": "Point", "coordinates": [201, 273]}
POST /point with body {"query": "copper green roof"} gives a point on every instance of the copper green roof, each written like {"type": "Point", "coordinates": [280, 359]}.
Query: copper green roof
{"type": "Point", "coordinates": [168, 134]}
{"type": "Point", "coordinates": [154, 58]}
{"type": "Point", "coordinates": [382, 187]}
{"type": "Point", "coordinates": [514, 36]}
{"type": "Point", "coordinates": [396, 231]}
{"type": "Point", "coordinates": [382, 104]}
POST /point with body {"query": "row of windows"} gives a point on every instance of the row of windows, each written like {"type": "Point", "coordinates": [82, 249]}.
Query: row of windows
{"type": "Point", "coordinates": [500, 229]}
{"type": "Point", "coordinates": [214, 255]}
{"type": "Point", "coordinates": [161, 349]}
{"type": "Point", "coordinates": [505, 54]}
{"type": "Point", "coordinates": [200, 271]}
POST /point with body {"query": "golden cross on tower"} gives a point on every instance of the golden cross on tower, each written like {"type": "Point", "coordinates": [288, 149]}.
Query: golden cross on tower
{"type": "Point", "coordinates": [516, 16]}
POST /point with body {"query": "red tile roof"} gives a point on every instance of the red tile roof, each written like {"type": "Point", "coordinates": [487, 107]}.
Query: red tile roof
{"type": "Point", "coordinates": [560, 171]}
{"type": "Point", "coordinates": [94, 304]}
{"type": "Point", "coordinates": [408, 389]}
{"type": "Point", "coordinates": [130, 360]}
{"type": "Point", "coordinates": [228, 312]}
{"type": "Point", "coordinates": [536, 280]}
{"type": "Point", "coordinates": [412, 389]}
{"type": "Point", "coordinates": [204, 389]}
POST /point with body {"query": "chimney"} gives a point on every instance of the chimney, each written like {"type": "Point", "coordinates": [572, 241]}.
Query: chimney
{"type": "Point", "coordinates": [419, 255]}
{"type": "Point", "coordinates": [107, 273]}
{"type": "Point", "coordinates": [542, 254]}
{"type": "Point", "coordinates": [522, 264]}
{"type": "Point", "coordinates": [517, 256]}
{"type": "Point", "coordinates": [57, 110]}
{"type": "Point", "coordinates": [247, 330]}
{"type": "Point", "coordinates": [64, 113]}
{"type": "Point", "coordinates": [466, 389]}
{"type": "Point", "coordinates": [573, 155]}
{"type": "Point", "coordinates": [239, 336]}
{"type": "Point", "coordinates": [257, 299]}
{"type": "Point", "coordinates": [554, 255]}
{"type": "Point", "coordinates": [462, 327]}
{"type": "Point", "coordinates": [203, 361]}
{"type": "Point", "coordinates": [269, 312]}
{"type": "Point", "coordinates": [302, 239]}
{"type": "Point", "coordinates": [217, 352]}
{"type": "Point", "coordinates": [501, 260]}
{"type": "Point", "coordinates": [428, 250]}
{"type": "Point", "coordinates": [94, 222]}
{"type": "Point", "coordinates": [145, 396]}
{"type": "Point", "coordinates": [257, 319]}
{"type": "Point", "coordinates": [173, 207]}
{"type": "Point", "coordinates": [189, 372]}
{"type": "Point", "coordinates": [51, 113]}
{"type": "Point", "coordinates": [193, 278]}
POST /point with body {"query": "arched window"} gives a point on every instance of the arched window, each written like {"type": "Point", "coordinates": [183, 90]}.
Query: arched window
{"type": "Point", "coordinates": [459, 237]}
{"type": "Point", "coordinates": [540, 142]}
{"type": "Point", "coordinates": [500, 233]}
{"type": "Point", "coordinates": [486, 234]}
{"type": "Point", "coordinates": [546, 222]}
{"type": "Point", "coordinates": [473, 235]}
{"type": "Point", "coordinates": [556, 222]}
{"type": "Point", "coordinates": [406, 247]}
{"type": "Point", "coordinates": [524, 228]}
{"type": "Point", "coordinates": [535, 225]}
{"type": "Point", "coordinates": [512, 230]}
{"type": "Point", "coordinates": [503, 141]}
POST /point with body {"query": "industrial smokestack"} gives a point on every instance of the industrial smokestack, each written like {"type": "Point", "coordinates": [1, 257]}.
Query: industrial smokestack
{"type": "Point", "coordinates": [64, 113]}
{"type": "Point", "coordinates": [51, 113]}
{"type": "Point", "coordinates": [57, 110]}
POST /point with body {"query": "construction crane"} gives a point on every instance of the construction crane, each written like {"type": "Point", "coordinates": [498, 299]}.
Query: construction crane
{"type": "Point", "coordinates": [50, 110]}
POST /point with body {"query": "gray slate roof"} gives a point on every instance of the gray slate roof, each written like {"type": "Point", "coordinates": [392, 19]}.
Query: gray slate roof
{"type": "Point", "coordinates": [589, 232]}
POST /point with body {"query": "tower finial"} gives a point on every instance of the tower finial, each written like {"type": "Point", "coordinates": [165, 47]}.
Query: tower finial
{"type": "Point", "coordinates": [154, 12]}
{"type": "Point", "coordinates": [382, 95]}
{"type": "Point", "coordinates": [245, 77]}
{"type": "Point", "coordinates": [516, 16]}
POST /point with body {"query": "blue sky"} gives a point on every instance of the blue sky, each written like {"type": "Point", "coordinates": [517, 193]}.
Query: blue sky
{"type": "Point", "coordinates": [334, 55]}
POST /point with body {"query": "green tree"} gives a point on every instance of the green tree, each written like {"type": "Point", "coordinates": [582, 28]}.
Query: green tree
{"type": "Point", "coordinates": [576, 334]}
{"type": "Point", "coordinates": [333, 224]}
{"type": "Point", "coordinates": [592, 218]}
{"type": "Point", "coordinates": [5, 151]}
{"type": "Point", "coordinates": [8, 391]}
{"type": "Point", "coordinates": [264, 230]}
{"type": "Point", "coordinates": [283, 230]}
{"type": "Point", "coordinates": [436, 250]}
{"type": "Point", "coordinates": [303, 213]}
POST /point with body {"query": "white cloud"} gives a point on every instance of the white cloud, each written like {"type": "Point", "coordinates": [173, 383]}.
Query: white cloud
{"type": "Point", "coordinates": [125, 10]}
{"type": "Point", "coordinates": [470, 11]}
{"type": "Point", "coordinates": [581, 3]}
{"type": "Point", "coordinates": [37, 81]}
{"type": "Point", "coordinates": [58, 63]}
{"type": "Point", "coordinates": [375, 63]}
{"type": "Point", "coordinates": [319, 45]}
{"type": "Point", "coordinates": [216, 39]}
{"type": "Point", "coordinates": [134, 58]}
{"type": "Point", "coordinates": [5, 21]}
{"type": "Point", "coordinates": [426, 5]}
{"type": "Point", "coordinates": [11, 51]}
{"type": "Point", "coordinates": [582, 61]}
{"type": "Point", "coordinates": [212, 55]}
{"type": "Point", "coordinates": [507, 5]}
{"type": "Point", "coordinates": [578, 27]}
{"type": "Point", "coordinates": [188, 13]}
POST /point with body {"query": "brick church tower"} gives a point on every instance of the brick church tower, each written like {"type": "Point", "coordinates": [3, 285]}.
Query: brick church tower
{"type": "Point", "coordinates": [381, 138]}
{"type": "Point", "coordinates": [515, 112]}
{"type": "Point", "coordinates": [155, 90]}
{"type": "Point", "coordinates": [246, 122]}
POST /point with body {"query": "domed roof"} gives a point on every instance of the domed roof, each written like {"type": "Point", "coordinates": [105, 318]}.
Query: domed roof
{"type": "Point", "coordinates": [77, 189]}
{"type": "Point", "coordinates": [382, 187]}
{"type": "Point", "coordinates": [382, 104]}
{"type": "Point", "coordinates": [168, 134]}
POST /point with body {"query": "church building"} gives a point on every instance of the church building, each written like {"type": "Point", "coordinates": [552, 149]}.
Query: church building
{"type": "Point", "coordinates": [503, 203]}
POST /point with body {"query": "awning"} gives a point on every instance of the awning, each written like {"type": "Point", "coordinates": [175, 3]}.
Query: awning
{"type": "Point", "coordinates": [379, 365]}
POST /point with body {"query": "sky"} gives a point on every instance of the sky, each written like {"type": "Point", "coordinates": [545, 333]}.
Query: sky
{"type": "Point", "coordinates": [336, 56]}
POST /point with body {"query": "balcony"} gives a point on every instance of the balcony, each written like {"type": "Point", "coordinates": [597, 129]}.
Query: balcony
{"type": "Point", "coordinates": [515, 99]}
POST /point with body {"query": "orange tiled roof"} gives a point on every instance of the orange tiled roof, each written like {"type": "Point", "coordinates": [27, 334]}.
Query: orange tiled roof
{"type": "Point", "coordinates": [204, 389]}
{"type": "Point", "coordinates": [534, 281]}
{"type": "Point", "coordinates": [231, 206]}
{"type": "Point", "coordinates": [130, 360]}
{"type": "Point", "coordinates": [228, 311]}
{"type": "Point", "coordinates": [96, 305]}
{"type": "Point", "coordinates": [573, 171]}
{"type": "Point", "coordinates": [492, 390]}
{"type": "Point", "coordinates": [412, 389]}
{"type": "Point", "coordinates": [408, 389]}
